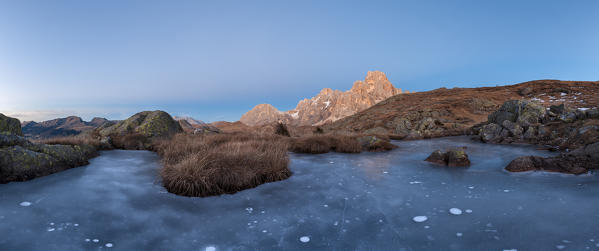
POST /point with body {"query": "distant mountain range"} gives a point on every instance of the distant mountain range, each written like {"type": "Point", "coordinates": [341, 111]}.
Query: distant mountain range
{"type": "Point", "coordinates": [68, 126]}
{"type": "Point", "coordinates": [192, 125]}
{"type": "Point", "coordinates": [329, 105]}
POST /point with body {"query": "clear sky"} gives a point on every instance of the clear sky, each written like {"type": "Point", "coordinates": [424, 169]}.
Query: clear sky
{"type": "Point", "coordinates": [215, 60]}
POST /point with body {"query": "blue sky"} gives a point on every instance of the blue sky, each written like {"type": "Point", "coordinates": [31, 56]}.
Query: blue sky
{"type": "Point", "coordinates": [214, 60]}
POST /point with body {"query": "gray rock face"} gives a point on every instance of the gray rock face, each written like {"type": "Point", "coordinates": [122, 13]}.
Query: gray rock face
{"type": "Point", "coordinates": [10, 125]}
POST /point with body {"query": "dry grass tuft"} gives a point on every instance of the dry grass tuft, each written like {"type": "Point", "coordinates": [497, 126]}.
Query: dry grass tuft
{"type": "Point", "coordinates": [81, 139]}
{"type": "Point", "coordinates": [324, 143]}
{"type": "Point", "coordinates": [224, 163]}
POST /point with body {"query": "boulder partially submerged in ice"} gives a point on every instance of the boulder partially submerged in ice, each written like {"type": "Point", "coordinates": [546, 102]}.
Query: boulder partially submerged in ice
{"type": "Point", "coordinates": [453, 157]}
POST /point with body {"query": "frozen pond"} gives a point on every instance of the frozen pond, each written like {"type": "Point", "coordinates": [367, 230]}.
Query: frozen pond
{"type": "Point", "coordinates": [333, 201]}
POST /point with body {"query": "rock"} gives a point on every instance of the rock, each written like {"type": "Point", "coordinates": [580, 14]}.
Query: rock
{"type": "Point", "coordinates": [530, 113]}
{"type": "Point", "coordinates": [490, 132]}
{"type": "Point", "coordinates": [557, 109]}
{"type": "Point", "coordinates": [578, 161]}
{"type": "Point", "coordinates": [375, 143]}
{"type": "Point", "coordinates": [401, 125]}
{"type": "Point", "coordinates": [438, 157]}
{"type": "Point", "coordinates": [457, 157]}
{"type": "Point", "coordinates": [592, 114]}
{"type": "Point", "coordinates": [567, 117]}
{"type": "Point", "coordinates": [531, 133]}
{"type": "Point", "coordinates": [515, 129]}
{"type": "Point", "coordinates": [10, 125]}
{"type": "Point", "coordinates": [507, 111]}
{"type": "Point", "coordinates": [453, 157]}
{"type": "Point", "coordinates": [25, 160]}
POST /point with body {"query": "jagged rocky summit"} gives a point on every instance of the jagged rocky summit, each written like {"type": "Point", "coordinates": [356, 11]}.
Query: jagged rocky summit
{"type": "Point", "coordinates": [329, 105]}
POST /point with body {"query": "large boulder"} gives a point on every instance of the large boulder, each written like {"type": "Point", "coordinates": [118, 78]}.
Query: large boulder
{"type": "Point", "coordinates": [453, 157]}
{"type": "Point", "coordinates": [10, 125]}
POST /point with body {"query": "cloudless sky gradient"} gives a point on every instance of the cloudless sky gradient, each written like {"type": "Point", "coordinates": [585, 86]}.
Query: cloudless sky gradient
{"type": "Point", "coordinates": [215, 60]}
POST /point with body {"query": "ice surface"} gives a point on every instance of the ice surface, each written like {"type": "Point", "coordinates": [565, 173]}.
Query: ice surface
{"type": "Point", "coordinates": [118, 199]}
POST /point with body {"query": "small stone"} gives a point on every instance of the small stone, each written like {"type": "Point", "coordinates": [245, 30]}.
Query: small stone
{"type": "Point", "coordinates": [25, 204]}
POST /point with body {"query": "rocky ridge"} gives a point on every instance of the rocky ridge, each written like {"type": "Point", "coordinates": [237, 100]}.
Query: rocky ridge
{"type": "Point", "coordinates": [329, 105]}
{"type": "Point", "coordinates": [60, 127]}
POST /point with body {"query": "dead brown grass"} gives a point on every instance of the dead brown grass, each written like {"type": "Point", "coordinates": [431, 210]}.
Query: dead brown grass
{"type": "Point", "coordinates": [73, 140]}
{"type": "Point", "coordinates": [223, 163]}
{"type": "Point", "coordinates": [324, 143]}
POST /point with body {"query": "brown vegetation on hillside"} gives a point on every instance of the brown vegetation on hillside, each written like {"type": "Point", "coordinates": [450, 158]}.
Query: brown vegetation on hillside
{"type": "Point", "coordinates": [445, 112]}
{"type": "Point", "coordinates": [323, 143]}
{"type": "Point", "coordinates": [223, 163]}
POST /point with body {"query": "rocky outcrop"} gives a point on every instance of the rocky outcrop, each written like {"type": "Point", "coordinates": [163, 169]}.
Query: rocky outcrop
{"type": "Point", "coordinates": [22, 160]}
{"type": "Point", "coordinates": [138, 131]}
{"type": "Point", "coordinates": [580, 161]}
{"type": "Point", "coordinates": [453, 157]}
{"type": "Point", "coordinates": [524, 121]}
{"type": "Point", "coordinates": [447, 112]}
{"type": "Point", "coordinates": [10, 125]}
{"type": "Point", "coordinates": [61, 127]}
{"type": "Point", "coordinates": [329, 105]}
{"type": "Point", "coordinates": [574, 131]}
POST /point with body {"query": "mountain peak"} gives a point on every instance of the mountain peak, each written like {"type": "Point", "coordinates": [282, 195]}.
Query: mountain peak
{"type": "Point", "coordinates": [328, 105]}
{"type": "Point", "coordinates": [376, 76]}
